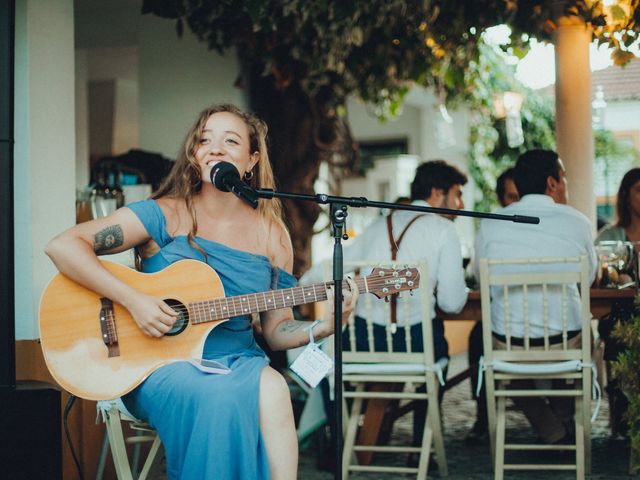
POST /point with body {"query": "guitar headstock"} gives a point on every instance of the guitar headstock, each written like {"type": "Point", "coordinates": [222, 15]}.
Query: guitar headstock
{"type": "Point", "coordinates": [384, 281]}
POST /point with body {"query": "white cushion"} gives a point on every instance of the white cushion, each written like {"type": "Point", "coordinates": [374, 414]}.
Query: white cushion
{"type": "Point", "coordinates": [537, 368]}
{"type": "Point", "coordinates": [396, 368]}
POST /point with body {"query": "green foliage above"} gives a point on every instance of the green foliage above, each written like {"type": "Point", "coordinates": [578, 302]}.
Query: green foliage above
{"type": "Point", "coordinates": [490, 154]}
{"type": "Point", "coordinates": [607, 145]}
{"type": "Point", "coordinates": [377, 49]}
{"type": "Point", "coordinates": [626, 369]}
{"type": "Point", "coordinates": [539, 19]}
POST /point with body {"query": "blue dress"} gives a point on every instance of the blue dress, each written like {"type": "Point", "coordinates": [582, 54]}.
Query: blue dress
{"type": "Point", "coordinates": [208, 423]}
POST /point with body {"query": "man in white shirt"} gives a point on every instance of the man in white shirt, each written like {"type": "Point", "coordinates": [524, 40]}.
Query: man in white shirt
{"type": "Point", "coordinates": [541, 180]}
{"type": "Point", "coordinates": [431, 237]}
{"type": "Point", "coordinates": [507, 193]}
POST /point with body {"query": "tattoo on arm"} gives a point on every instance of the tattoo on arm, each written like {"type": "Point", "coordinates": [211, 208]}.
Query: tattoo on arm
{"type": "Point", "coordinates": [292, 326]}
{"type": "Point", "coordinates": [108, 239]}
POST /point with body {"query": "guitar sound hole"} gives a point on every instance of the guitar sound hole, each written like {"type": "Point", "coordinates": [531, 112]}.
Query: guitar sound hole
{"type": "Point", "coordinates": [183, 318]}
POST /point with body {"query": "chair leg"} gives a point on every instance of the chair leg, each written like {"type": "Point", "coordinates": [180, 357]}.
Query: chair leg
{"type": "Point", "coordinates": [153, 452]}
{"type": "Point", "coordinates": [586, 405]}
{"type": "Point", "coordinates": [434, 421]}
{"type": "Point", "coordinates": [350, 435]}
{"type": "Point", "coordinates": [118, 448]}
{"type": "Point", "coordinates": [104, 451]}
{"type": "Point", "coordinates": [425, 451]}
{"type": "Point", "coordinates": [491, 413]}
{"type": "Point", "coordinates": [580, 438]}
{"type": "Point", "coordinates": [500, 439]}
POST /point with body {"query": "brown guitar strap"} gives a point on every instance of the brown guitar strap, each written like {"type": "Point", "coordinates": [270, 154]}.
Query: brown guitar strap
{"type": "Point", "coordinates": [395, 245]}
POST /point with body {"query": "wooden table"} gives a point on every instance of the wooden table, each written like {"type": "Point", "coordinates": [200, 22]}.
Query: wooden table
{"type": "Point", "coordinates": [601, 302]}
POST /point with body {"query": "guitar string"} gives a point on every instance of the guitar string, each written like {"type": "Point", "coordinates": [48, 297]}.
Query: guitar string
{"type": "Point", "coordinates": [373, 283]}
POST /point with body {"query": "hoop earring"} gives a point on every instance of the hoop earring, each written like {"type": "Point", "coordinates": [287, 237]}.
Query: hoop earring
{"type": "Point", "coordinates": [248, 175]}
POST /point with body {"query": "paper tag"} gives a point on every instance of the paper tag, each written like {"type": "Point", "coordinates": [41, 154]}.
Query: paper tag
{"type": "Point", "coordinates": [312, 365]}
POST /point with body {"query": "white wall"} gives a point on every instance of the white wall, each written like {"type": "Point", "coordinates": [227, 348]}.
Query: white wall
{"type": "Point", "coordinates": [45, 146]}
{"type": "Point", "coordinates": [422, 123]}
{"type": "Point", "coordinates": [622, 116]}
{"type": "Point", "coordinates": [365, 126]}
{"type": "Point", "coordinates": [82, 118]}
{"type": "Point", "coordinates": [178, 79]}
{"type": "Point", "coordinates": [119, 65]}
{"type": "Point", "coordinates": [161, 82]}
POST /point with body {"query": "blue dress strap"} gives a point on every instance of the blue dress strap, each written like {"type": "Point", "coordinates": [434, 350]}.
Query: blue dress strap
{"type": "Point", "coordinates": [153, 219]}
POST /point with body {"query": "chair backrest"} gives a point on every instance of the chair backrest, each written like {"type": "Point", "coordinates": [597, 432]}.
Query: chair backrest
{"type": "Point", "coordinates": [396, 343]}
{"type": "Point", "coordinates": [537, 305]}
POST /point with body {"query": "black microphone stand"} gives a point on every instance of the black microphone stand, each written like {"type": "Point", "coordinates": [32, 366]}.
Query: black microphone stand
{"type": "Point", "coordinates": [338, 213]}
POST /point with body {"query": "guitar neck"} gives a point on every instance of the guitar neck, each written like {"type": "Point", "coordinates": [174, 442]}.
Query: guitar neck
{"type": "Point", "coordinates": [226, 307]}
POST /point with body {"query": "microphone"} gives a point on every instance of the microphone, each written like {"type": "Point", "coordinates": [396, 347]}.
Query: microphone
{"type": "Point", "coordinates": [225, 177]}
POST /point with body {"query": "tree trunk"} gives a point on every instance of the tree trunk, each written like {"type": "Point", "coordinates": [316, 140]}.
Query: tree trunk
{"type": "Point", "coordinates": [302, 134]}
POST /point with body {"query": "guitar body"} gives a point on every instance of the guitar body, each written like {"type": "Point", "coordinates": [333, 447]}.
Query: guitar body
{"type": "Point", "coordinates": [72, 336]}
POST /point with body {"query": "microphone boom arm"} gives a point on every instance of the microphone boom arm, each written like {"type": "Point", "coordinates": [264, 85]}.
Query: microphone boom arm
{"type": "Point", "coordinates": [360, 202]}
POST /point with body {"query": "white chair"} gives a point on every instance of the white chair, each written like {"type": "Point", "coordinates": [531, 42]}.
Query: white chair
{"type": "Point", "coordinates": [378, 377]}
{"type": "Point", "coordinates": [114, 413]}
{"type": "Point", "coordinates": [549, 284]}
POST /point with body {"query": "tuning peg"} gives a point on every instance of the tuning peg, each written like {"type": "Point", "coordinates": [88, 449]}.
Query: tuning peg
{"type": "Point", "coordinates": [387, 299]}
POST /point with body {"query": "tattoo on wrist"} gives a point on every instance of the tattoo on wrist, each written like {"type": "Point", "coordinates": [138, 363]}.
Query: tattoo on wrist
{"type": "Point", "coordinates": [108, 239]}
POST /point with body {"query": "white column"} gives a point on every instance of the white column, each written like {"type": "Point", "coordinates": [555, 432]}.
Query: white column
{"type": "Point", "coordinates": [574, 133]}
{"type": "Point", "coordinates": [44, 151]}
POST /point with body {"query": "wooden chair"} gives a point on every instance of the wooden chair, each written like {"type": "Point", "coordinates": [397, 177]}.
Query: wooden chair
{"type": "Point", "coordinates": [548, 284]}
{"type": "Point", "coordinates": [114, 413]}
{"type": "Point", "coordinates": [378, 377]}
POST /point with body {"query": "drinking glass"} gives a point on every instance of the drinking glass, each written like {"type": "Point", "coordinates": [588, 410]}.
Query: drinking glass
{"type": "Point", "coordinates": [616, 261]}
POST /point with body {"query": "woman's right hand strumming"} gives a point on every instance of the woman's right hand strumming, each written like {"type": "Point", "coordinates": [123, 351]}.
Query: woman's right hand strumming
{"type": "Point", "coordinates": [153, 316]}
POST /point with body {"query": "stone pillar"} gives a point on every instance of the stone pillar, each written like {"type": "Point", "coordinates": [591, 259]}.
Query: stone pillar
{"type": "Point", "coordinates": [574, 134]}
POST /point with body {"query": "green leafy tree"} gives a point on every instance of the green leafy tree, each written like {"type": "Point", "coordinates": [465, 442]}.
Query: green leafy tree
{"type": "Point", "coordinates": [301, 60]}
{"type": "Point", "coordinates": [489, 151]}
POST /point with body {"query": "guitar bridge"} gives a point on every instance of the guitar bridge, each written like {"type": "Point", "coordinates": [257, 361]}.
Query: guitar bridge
{"type": "Point", "coordinates": [108, 327]}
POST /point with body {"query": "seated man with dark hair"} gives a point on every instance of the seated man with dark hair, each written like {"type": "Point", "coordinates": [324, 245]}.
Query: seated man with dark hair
{"type": "Point", "coordinates": [563, 231]}
{"type": "Point", "coordinates": [406, 236]}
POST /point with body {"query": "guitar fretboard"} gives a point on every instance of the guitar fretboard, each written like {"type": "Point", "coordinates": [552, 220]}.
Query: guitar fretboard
{"type": "Point", "coordinates": [226, 307]}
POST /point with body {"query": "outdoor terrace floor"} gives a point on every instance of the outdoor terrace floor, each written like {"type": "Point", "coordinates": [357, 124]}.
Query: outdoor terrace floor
{"type": "Point", "coordinates": [610, 457]}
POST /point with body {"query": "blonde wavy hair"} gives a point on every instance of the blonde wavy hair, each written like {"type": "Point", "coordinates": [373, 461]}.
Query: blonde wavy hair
{"type": "Point", "coordinates": [185, 179]}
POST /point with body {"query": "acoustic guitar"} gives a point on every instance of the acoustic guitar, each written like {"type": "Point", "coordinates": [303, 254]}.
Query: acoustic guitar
{"type": "Point", "coordinates": [95, 350]}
